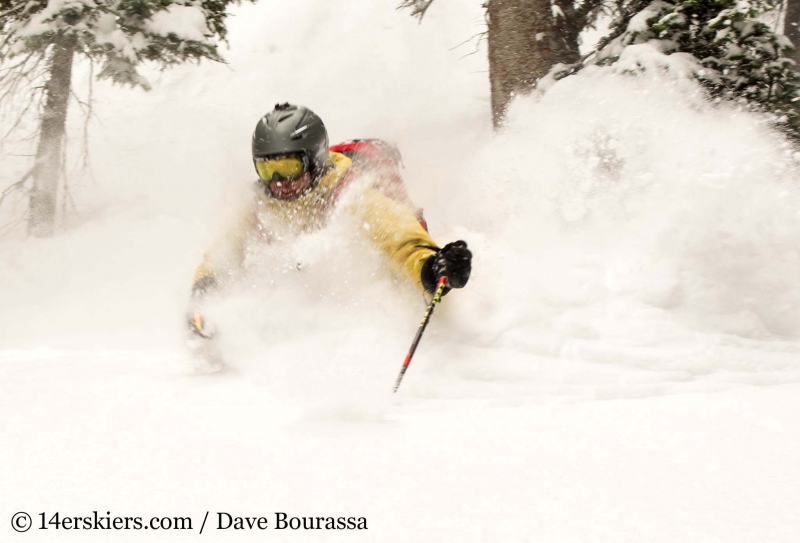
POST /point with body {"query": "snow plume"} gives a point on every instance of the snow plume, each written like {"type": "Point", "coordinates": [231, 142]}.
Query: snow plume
{"type": "Point", "coordinates": [627, 222]}
{"type": "Point", "coordinates": [315, 321]}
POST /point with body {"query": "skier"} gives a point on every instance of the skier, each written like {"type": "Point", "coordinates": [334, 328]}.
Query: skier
{"type": "Point", "coordinates": [300, 183]}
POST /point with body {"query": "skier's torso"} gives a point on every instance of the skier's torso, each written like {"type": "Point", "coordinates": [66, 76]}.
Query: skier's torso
{"type": "Point", "coordinates": [390, 225]}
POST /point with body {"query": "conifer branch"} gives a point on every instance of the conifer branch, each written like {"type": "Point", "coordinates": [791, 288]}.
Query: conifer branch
{"type": "Point", "coordinates": [418, 7]}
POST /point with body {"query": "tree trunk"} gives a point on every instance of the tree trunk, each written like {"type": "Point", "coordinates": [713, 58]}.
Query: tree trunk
{"type": "Point", "coordinates": [524, 43]}
{"type": "Point", "coordinates": [791, 28]}
{"type": "Point", "coordinates": [52, 128]}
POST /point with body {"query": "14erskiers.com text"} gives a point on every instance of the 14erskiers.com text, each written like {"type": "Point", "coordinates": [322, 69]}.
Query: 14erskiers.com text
{"type": "Point", "coordinates": [22, 522]}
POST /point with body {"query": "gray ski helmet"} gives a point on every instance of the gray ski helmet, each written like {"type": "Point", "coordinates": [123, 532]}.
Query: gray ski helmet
{"type": "Point", "coordinates": [292, 129]}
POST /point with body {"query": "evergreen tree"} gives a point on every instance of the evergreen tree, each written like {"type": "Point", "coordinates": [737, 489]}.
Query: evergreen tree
{"type": "Point", "coordinates": [119, 35]}
{"type": "Point", "coordinates": [721, 43]}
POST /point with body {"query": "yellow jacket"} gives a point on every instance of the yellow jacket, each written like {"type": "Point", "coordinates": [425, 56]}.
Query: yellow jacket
{"type": "Point", "coordinates": [392, 226]}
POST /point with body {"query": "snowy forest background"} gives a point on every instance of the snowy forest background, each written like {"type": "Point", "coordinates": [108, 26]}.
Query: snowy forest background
{"type": "Point", "coordinates": [632, 206]}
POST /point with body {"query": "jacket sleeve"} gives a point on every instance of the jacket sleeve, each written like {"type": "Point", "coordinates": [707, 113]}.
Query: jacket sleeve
{"type": "Point", "coordinates": [227, 252]}
{"type": "Point", "coordinates": [395, 230]}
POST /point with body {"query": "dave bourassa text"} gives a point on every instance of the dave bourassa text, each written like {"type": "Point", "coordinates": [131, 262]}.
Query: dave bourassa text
{"type": "Point", "coordinates": [282, 521]}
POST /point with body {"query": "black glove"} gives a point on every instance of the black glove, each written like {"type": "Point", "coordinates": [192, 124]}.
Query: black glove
{"type": "Point", "coordinates": [453, 261]}
{"type": "Point", "coordinates": [194, 319]}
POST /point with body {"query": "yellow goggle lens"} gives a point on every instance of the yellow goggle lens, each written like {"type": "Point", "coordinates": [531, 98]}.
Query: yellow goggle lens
{"type": "Point", "coordinates": [286, 168]}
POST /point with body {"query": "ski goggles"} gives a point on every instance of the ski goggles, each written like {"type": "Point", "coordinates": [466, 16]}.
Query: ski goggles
{"type": "Point", "coordinates": [288, 168]}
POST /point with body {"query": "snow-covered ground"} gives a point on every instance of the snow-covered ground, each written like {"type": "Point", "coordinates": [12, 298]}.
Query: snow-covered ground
{"type": "Point", "coordinates": [623, 366]}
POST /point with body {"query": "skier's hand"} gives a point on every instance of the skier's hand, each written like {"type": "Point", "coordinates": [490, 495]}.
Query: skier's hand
{"type": "Point", "coordinates": [194, 318]}
{"type": "Point", "coordinates": [453, 261]}
{"type": "Point", "coordinates": [197, 325]}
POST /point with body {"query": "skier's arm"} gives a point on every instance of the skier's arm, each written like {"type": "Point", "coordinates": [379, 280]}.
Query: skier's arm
{"type": "Point", "coordinates": [226, 254]}
{"type": "Point", "coordinates": [396, 231]}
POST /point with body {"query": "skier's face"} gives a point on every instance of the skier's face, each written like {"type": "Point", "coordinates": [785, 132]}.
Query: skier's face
{"type": "Point", "coordinates": [289, 190]}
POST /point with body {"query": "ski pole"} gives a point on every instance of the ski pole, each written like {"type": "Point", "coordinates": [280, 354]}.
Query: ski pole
{"type": "Point", "coordinates": [437, 296]}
